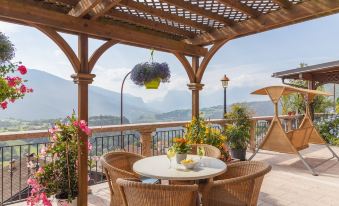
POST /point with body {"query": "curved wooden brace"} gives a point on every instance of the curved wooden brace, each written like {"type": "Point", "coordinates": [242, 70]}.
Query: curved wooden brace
{"type": "Point", "coordinates": [187, 66]}
{"type": "Point", "coordinates": [100, 51]}
{"type": "Point", "coordinates": [216, 46]}
{"type": "Point", "coordinates": [63, 45]}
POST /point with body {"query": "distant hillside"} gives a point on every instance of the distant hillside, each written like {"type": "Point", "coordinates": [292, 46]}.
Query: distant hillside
{"type": "Point", "coordinates": [55, 97]}
{"type": "Point", "coordinates": [263, 108]}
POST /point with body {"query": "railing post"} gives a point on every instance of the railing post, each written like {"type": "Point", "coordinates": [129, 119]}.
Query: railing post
{"type": "Point", "coordinates": [252, 135]}
{"type": "Point", "coordinates": [146, 142]}
{"type": "Point", "coordinates": [289, 124]}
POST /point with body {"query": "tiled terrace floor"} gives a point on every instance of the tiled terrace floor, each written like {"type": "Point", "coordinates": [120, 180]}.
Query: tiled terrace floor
{"type": "Point", "coordinates": [288, 184]}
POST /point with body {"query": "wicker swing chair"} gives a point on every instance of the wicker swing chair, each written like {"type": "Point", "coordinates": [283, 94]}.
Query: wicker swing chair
{"type": "Point", "coordinates": [277, 140]}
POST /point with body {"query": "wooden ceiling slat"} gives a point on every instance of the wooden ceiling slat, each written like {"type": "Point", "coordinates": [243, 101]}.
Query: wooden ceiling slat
{"type": "Point", "coordinates": [83, 7]}
{"type": "Point", "coordinates": [103, 7]}
{"type": "Point", "coordinates": [18, 11]}
{"type": "Point", "coordinates": [149, 23]}
{"type": "Point", "coordinates": [235, 4]}
{"type": "Point", "coordinates": [198, 10]}
{"type": "Point", "coordinates": [283, 3]}
{"type": "Point", "coordinates": [298, 13]}
{"type": "Point", "coordinates": [165, 15]}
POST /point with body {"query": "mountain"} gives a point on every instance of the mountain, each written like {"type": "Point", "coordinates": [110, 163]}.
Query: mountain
{"type": "Point", "coordinates": [54, 97]}
{"type": "Point", "coordinates": [262, 108]}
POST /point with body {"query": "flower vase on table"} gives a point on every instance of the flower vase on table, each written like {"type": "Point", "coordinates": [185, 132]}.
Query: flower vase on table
{"type": "Point", "coordinates": [181, 147]}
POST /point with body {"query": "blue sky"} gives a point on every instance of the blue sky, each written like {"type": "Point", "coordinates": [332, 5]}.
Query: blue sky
{"type": "Point", "coordinates": [248, 61]}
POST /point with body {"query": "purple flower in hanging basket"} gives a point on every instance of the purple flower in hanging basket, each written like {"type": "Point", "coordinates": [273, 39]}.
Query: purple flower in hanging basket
{"type": "Point", "coordinates": [146, 72]}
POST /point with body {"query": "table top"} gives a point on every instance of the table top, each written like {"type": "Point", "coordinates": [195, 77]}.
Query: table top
{"type": "Point", "coordinates": [158, 167]}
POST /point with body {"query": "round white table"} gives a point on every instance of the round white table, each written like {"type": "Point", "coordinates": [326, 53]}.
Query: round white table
{"type": "Point", "coordinates": [158, 167]}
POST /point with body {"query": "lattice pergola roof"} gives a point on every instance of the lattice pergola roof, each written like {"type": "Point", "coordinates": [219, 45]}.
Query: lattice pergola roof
{"type": "Point", "coordinates": [321, 73]}
{"type": "Point", "coordinates": [183, 26]}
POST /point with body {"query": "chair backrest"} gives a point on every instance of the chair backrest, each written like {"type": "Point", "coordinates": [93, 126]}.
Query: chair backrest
{"type": "Point", "coordinates": [240, 184]}
{"type": "Point", "coordinates": [136, 193]}
{"type": "Point", "coordinates": [210, 150]}
{"type": "Point", "coordinates": [118, 165]}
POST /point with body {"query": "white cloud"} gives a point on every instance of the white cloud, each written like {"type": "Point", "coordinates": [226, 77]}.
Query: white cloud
{"type": "Point", "coordinates": [8, 28]}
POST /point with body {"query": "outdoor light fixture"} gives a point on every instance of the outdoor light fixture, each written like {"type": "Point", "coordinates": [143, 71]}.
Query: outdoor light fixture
{"type": "Point", "coordinates": [224, 82]}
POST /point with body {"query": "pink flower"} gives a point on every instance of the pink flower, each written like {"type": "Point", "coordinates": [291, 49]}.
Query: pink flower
{"type": "Point", "coordinates": [12, 100]}
{"type": "Point", "coordinates": [11, 81]}
{"type": "Point", "coordinates": [54, 138]}
{"type": "Point", "coordinates": [22, 69]}
{"type": "Point", "coordinates": [40, 171]}
{"type": "Point", "coordinates": [89, 146]}
{"type": "Point", "coordinates": [43, 151]}
{"type": "Point", "coordinates": [23, 89]}
{"type": "Point", "coordinates": [76, 123]}
{"type": "Point", "coordinates": [53, 130]}
{"type": "Point", "coordinates": [4, 105]}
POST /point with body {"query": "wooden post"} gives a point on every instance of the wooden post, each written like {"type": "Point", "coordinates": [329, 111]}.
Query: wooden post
{"type": "Point", "coordinates": [311, 85]}
{"type": "Point", "coordinates": [83, 78]}
{"type": "Point", "coordinates": [146, 142]}
{"type": "Point", "coordinates": [252, 137]}
{"type": "Point", "coordinates": [195, 87]}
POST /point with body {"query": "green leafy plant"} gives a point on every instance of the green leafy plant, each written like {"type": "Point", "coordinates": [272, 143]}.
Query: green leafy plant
{"type": "Point", "coordinates": [59, 176]}
{"type": "Point", "coordinates": [329, 130]}
{"type": "Point", "coordinates": [238, 133]}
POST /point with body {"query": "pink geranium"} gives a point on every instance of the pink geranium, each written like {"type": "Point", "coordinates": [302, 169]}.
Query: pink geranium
{"type": "Point", "coordinates": [22, 69]}
{"type": "Point", "coordinates": [23, 89]}
{"type": "Point", "coordinates": [4, 105]}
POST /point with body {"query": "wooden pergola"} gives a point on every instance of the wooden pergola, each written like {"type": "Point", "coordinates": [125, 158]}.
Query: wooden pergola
{"type": "Point", "coordinates": [192, 30]}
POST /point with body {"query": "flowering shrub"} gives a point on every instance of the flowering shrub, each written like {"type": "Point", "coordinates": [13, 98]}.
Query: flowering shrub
{"type": "Point", "coordinates": [181, 146]}
{"type": "Point", "coordinates": [59, 176]}
{"type": "Point", "coordinates": [146, 72]}
{"type": "Point", "coordinates": [199, 132]}
{"type": "Point", "coordinates": [12, 87]}
{"type": "Point", "coordinates": [329, 130]}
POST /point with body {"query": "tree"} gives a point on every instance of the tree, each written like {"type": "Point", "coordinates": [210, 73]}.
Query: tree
{"type": "Point", "coordinates": [295, 102]}
{"type": "Point", "coordinates": [6, 49]}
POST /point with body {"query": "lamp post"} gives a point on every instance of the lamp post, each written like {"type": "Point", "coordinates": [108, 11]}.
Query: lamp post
{"type": "Point", "coordinates": [122, 107]}
{"type": "Point", "coordinates": [224, 83]}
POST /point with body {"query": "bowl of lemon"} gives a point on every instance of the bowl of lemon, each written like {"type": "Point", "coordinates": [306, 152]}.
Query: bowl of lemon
{"type": "Point", "coordinates": [189, 163]}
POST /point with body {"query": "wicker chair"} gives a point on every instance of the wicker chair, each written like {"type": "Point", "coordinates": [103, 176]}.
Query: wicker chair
{"type": "Point", "coordinates": [239, 185]}
{"type": "Point", "coordinates": [136, 193]}
{"type": "Point", "coordinates": [118, 165]}
{"type": "Point", "coordinates": [210, 150]}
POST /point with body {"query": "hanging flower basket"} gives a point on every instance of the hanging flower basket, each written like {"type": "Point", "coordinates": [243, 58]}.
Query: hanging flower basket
{"type": "Point", "coordinates": [150, 74]}
{"type": "Point", "coordinates": [153, 84]}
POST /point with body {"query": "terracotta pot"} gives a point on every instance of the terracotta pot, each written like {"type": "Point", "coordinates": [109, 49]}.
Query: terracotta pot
{"type": "Point", "coordinates": [154, 84]}
{"type": "Point", "coordinates": [180, 157]}
{"type": "Point", "coordinates": [64, 202]}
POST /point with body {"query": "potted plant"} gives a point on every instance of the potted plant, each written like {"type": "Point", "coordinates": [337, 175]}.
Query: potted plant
{"type": "Point", "coordinates": [12, 86]}
{"type": "Point", "coordinates": [59, 176]}
{"type": "Point", "coordinates": [181, 147]}
{"type": "Point", "coordinates": [200, 132]}
{"type": "Point", "coordinates": [238, 133]}
{"type": "Point", "coordinates": [150, 74]}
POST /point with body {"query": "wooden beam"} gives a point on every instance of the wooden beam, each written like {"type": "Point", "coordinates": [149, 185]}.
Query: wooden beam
{"type": "Point", "coordinates": [103, 7]}
{"type": "Point", "coordinates": [237, 5]}
{"type": "Point", "coordinates": [149, 24]}
{"type": "Point", "coordinates": [16, 10]}
{"type": "Point", "coordinates": [198, 10]}
{"type": "Point", "coordinates": [283, 3]}
{"type": "Point", "coordinates": [165, 15]}
{"type": "Point", "coordinates": [297, 13]}
{"type": "Point", "coordinates": [63, 45]}
{"type": "Point", "coordinates": [83, 7]}
{"type": "Point", "coordinates": [99, 52]}
{"type": "Point", "coordinates": [187, 66]}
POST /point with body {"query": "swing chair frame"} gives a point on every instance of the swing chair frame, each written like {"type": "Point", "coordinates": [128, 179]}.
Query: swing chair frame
{"type": "Point", "coordinates": [277, 140]}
